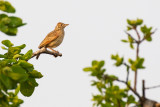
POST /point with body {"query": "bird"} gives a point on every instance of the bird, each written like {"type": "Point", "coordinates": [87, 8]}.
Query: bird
{"type": "Point", "coordinates": [54, 38]}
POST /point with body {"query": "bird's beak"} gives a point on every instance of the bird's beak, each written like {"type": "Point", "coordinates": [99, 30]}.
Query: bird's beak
{"type": "Point", "coordinates": [66, 25]}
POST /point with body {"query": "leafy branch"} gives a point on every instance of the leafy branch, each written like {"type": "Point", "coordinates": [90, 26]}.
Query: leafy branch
{"type": "Point", "coordinates": [9, 24]}
{"type": "Point", "coordinates": [105, 83]}
{"type": "Point", "coordinates": [16, 74]}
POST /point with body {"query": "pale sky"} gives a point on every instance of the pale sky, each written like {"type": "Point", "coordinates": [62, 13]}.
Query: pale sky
{"type": "Point", "coordinates": [94, 32]}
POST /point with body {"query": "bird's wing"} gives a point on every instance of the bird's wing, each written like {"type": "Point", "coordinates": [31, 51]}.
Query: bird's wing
{"type": "Point", "coordinates": [50, 37]}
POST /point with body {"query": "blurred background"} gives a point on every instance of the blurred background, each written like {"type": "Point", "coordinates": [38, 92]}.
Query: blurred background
{"type": "Point", "coordinates": [94, 32]}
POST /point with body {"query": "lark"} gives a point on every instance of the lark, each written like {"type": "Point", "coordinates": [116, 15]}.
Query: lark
{"type": "Point", "coordinates": [54, 38]}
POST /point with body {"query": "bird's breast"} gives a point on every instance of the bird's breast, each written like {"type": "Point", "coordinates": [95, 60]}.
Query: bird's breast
{"type": "Point", "coordinates": [57, 41]}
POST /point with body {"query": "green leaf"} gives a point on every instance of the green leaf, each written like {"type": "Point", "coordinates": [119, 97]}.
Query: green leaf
{"type": "Point", "coordinates": [139, 21]}
{"type": "Point", "coordinates": [9, 24]}
{"type": "Point", "coordinates": [94, 62]}
{"type": "Point", "coordinates": [101, 64]}
{"type": "Point", "coordinates": [125, 41]}
{"type": "Point", "coordinates": [119, 60]}
{"type": "Point", "coordinates": [26, 89]}
{"type": "Point", "coordinates": [140, 63]}
{"type": "Point", "coordinates": [3, 56]}
{"type": "Point", "coordinates": [113, 77]}
{"type": "Point", "coordinates": [6, 70]}
{"type": "Point", "coordinates": [148, 38]}
{"type": "Point", "coordinates": [3, 27]}
{"type": "Point", "coordinates": [131, 99]}
{"type": "Point", "coordinates": [129, 28]}
{"type": "Point", "coordinates": [137, 64]}
{"type": "Point", "coordinates": [134, 23]}
{"type": "Point", "coordinates": [1, 94]}
{"type": "Point", "coordinates": [12, 31]}
{"type": "Point", "coordinates": [2, 16]}
{"type": "Point", "coordinates": [6, 7]}
{"type": "Point", "coordinates": [6, 81]}
{"type": "Point", "coordinates": [4, 48]}
{"type": "Point", "coordinates": [10, 61]}
{"type": "Point", "coordinates": [28, 55]}
{"type": "Point", "coordinates": [25, 64]}
{"type": "Point", "coordinates": [21, 46]}
{"type": "Point", "coordinates": [15, 22]}
{"type": "Point", "coordinates": [3, 63]}
{"type": "Point", "coordinates": [147, 32]}
{"type": "Point", "coordinates": [87, 69]}
{"type": "Point", "coordinates": [131, 22]}
{"type": "Point", "coordinates": [32, 82]}
{"type": "Point", "coordinates": [130, 39]}
{"type": "Point", "coordinates": [130, 61]}
{"type": "Point", "coordinates": [131, 46]}
{"type": "Point", "coordinates": [35, 74]}
{"type": "Point", "coordinates": [13, 51]}
{"type": "Point", "coordinates": [7, 43]}
{"type": "Point", "coordinates": [18, 74]}
{"type": "Point", "coordinates": [16, 56]}
{"type": "Point", "coordinates": [17, 90]}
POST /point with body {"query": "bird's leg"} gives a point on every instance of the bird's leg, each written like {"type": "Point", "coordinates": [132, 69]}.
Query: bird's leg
{"type": "Point", "coordinates": [53, 50]}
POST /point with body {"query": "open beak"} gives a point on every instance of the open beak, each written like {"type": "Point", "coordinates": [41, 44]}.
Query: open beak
{"type": "Point", "coordinates": [66, 25]}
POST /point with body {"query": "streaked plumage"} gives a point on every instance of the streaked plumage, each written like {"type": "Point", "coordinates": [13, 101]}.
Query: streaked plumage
{"type": "Point", "coordinates": [54, 38]}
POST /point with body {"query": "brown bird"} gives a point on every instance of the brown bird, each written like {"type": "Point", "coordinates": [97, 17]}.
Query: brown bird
{"type": "Point", "coordinates": [54, 38]}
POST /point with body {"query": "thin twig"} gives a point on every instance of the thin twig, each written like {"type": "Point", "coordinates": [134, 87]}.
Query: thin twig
{"type": "Point", "coordinates": [139, 37]}
{"type": "Point", "coordinates": [127, 78]}
{"type": "Point", "coordinates": [131, 36]}
{"type": "Point", "coordinates": [126, 83]}
{"type": "Point", "coordinates": [136, 74]}
{"type": "Point", "coordinates": [143, 89]}
{"type": "Point", "coordinates": [45, 51]}
{"type": "Point", "coordinates": [158, 86]}
{"type": "Point", "coordinates": [135, 92]}
{"type": "Point", "coordinates": [137, 56]}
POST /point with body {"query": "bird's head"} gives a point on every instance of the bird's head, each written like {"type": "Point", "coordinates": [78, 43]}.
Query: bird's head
{"type": "Point", "coordinates": [61, 25]}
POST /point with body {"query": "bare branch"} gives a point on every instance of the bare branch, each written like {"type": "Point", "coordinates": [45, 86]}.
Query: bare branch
{"type": "Point", "coordinates": [127, 77]}
{"type": "Point", "coordinates": [45, 51]}
{"type": "Point", "coordinates": [139, 37]}
{"type": "Point", "coordinates": [143, 89]}
{"type": "Point", "coordinates": [135, 74]}
{"type": "Point", "coordinates": [158, 86]}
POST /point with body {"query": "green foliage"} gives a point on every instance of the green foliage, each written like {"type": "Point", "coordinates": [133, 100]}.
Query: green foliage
{"type": "Point", "coordinates": [9, 24]}
{"type": "Point", "coordinates": [6, 7]}
{"type": "Point", "coordinates": [119, 60]}
{"type": "Point", "coordinates": [7, 43]}
{"type": "Point", "coordinates": [16, 74]}
{"type": "Point", "coordinates": [137, 64]}
{"type": "Point", "coordinates": [96, 69]}
{"type": "Point", "coordinates": [110, 95]}
{"type": "Point", "coordinates": [134, 23]}
{"type": "Point", "coordinates": [27, 56]}
{"type": "Point", "coordinates": [130, 41]}
{"type": "Point", "coordinates": [147, 32]}
{"type": "Point", "coordinates": [27, 87]}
